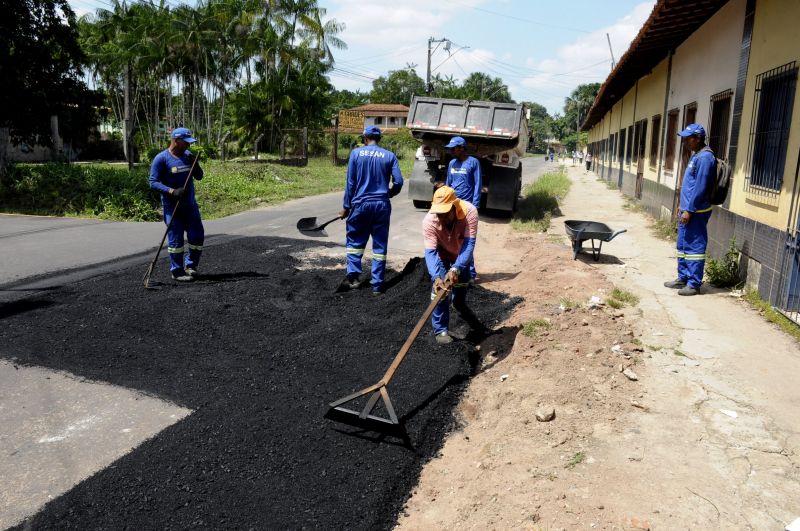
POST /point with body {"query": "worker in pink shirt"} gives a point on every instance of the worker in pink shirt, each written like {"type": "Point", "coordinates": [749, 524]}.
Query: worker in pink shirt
{"type": "Point", "coordinates": [449, 231]}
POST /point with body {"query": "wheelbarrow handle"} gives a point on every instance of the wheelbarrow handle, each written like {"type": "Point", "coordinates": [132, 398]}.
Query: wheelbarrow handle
{"type": "Point", "coordinates": [616, 233]}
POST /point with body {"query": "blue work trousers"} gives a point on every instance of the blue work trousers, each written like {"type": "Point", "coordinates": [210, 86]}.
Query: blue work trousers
{"type": "Point", "coordinates": [692, 243]}
{"type": "Point", "coordinates": [440, 318]}
{"type": "Point", "coordinates": [187, 219]}
{"type": "Point", "coordinates": [369, 218]}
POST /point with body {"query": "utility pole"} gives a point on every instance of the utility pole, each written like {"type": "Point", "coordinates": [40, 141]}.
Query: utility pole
{"type": "Point", "coordinates": [127, 141]}
{"type": "Point", "coordinates": [431, 40]}
{"type": "Point", "coordinates": [613, 61]}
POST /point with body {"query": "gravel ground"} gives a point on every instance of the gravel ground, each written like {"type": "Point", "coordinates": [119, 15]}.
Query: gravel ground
{"type": "Point", "coordinates": [257, 349]}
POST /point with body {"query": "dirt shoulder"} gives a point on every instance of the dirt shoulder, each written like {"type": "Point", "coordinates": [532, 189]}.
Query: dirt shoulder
{"type": "Point", "coordinates": [706, 436]}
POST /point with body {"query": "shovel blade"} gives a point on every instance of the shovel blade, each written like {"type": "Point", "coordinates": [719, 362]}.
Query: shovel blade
{"type": "Point", "coordinates": [307, 224]}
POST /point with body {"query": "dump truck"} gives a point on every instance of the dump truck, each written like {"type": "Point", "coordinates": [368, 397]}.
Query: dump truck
{"type": "Point", "coordinates": [496, 134]}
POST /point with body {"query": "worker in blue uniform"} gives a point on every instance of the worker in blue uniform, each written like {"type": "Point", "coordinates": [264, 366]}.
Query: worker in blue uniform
{"type": "Point", "coordinates": [695, 211]}
{"type": "Point", "coordinates": [464, 176]}
{"type": "Point", "coordinates": [168, 174]}
{"type": "Point", "coordinates": [366, 206]}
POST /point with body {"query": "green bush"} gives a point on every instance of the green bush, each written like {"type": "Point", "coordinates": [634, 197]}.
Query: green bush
{"type": "Point", "coordinates": [724, 273]}
{"type": "Point", "coordinates": [540, 200]}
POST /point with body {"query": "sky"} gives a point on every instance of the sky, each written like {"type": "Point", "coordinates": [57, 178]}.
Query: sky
{"type": "Point", "coordinates": [541, 50]}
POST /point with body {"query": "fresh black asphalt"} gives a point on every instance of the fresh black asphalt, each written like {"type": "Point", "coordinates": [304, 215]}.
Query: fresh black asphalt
{"type": "Point", "coordinates": [257, 348]}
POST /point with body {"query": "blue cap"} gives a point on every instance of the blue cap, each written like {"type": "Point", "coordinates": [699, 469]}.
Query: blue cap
{"type": "Point", "coordinates": [693, 130]}
{"type": "Point", "coordinates": [456, 141]}
{"type": "Point", "coordinates": [372, 130]}
{"type": "Point", "coordinates": [181, 133]}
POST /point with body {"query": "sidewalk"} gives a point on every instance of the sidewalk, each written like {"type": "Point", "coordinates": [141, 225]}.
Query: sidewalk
{"type": "Point", "coordinates": [722, 387]}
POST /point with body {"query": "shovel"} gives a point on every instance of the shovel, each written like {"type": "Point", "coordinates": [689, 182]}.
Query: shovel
{"type": "Point", "coordinates": [310, 224]}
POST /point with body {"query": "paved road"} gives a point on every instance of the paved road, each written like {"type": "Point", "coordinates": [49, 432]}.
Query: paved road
{"type": "Point", "coordinates": [32, 246]}
{"type": "Point", "coordinates": [60, 429]}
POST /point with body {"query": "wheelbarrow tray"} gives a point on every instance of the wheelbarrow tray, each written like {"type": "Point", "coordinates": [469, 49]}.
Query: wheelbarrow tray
{"type": "Point", "coordinates": [580, 231]}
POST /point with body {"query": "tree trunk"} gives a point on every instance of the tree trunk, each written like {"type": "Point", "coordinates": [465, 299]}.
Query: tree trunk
{"type": "Point", "coordinates": [3, 152]}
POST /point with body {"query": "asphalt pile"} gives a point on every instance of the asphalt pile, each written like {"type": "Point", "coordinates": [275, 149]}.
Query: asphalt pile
{"type": "Point", "coordinates": [257, 348]}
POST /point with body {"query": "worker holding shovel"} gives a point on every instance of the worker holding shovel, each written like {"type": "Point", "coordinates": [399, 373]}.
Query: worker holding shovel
{"type": "Point", "coordinates": [449, 231]}
{"type": "Point", "coordinates": [367, 208]}
{"type": "Point", "coordinates": [170, 175]}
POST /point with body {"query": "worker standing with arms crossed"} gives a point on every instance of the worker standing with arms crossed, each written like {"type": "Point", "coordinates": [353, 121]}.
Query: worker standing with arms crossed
{"type": "Point", "coordinates": [367, 208]}
{"type": "Point", "coordinates": [168, 174]}
{"type": "Point", "coordinates": [449, 231]}
{"type": "Point", "coordinates": [464, 176]}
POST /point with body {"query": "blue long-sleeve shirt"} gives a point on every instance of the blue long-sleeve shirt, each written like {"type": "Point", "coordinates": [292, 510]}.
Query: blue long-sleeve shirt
{"type": "Point", "coordinates": [168, 171]}
{"type": "Point", "coordinates": [368, 173]}
{"type": "Point", "coordinates": [465, 179]}
{"type": "Point", "coordinates": [699, 175]}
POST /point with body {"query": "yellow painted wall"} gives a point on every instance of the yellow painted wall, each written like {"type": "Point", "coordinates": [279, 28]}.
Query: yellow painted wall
{"type": "Point", "coordinates": [652, 89]}
{"type": "Point", "coordinates": [776, 41]}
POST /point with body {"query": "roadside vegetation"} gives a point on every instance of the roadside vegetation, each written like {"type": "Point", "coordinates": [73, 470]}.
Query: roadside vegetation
{"type": "Point", "coordinates": [771, 314]}
{"type": "Point", "coordinates": [532, 328]}
{"type": "Point", "coordinates": [665, 229]}
{"type": "Point", "coordinates": [109, 191]}
{"type": "Point", "coordinates": [724, 273]}
{"type": "Point", "coordinates": [620, 298]}
{"type": "Point", "coordinates": [540, 201]}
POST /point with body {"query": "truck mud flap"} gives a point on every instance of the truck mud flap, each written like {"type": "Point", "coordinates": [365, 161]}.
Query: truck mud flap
{"type": "Point", "coordinates": [423, 176]}
{"type": "Point", "coordinates": [504, 188]}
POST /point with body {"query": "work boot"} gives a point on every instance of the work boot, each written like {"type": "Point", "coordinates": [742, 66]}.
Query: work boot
{"type": "Point", "coordinates": [675, 284]}
{"type": "Point", "coordinates": [179, 275]}
{"type": "Point", "coordinates": [351, 282]}
{"type": "Point", "coordinates": [688, 291]}
{"type": "Point", "coordinates": [444, 338]}
{"type": "Point", "coordinates": [192, 272]}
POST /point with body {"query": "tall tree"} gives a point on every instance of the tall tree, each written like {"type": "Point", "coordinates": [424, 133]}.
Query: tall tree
{"type": "Point", "coordinates": [578, 103]}
{"type": "Point", "coordinates": [480, 86]}
{"type": "Point", "coordinates": [398, 87]}
{"type": "Point", "coordinates": [39, 69]}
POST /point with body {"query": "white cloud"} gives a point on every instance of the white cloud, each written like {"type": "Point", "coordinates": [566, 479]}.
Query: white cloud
{"type": "Point", "coordinates": [584, 60]}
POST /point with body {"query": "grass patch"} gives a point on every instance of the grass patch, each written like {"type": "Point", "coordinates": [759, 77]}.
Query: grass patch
{"type": "Point", "coordinates": [569, 303]}
{"type": "Point", "coordinates": [577, 459]}
{"type": "Point", "coordinates": [540, 200]}
{"type": "Point", "coordinates": [611, 185]}
{"type": "Point", "coordinates": [666, 230]}
{"type": "Point", "coordinates": [679, 353]}
{"type": "Point", "coordinates": [724, 273]}
{"type": "Point", "coordinates": [110, 191]}
{"type": "Point", "coordinates": [771, 314]}
{"type": "Point", "coordinates": [555, 238]}
{"type": "Point", "coordinates": [614, 303]}
{"type": "Point", "coordinates": [532, 328]}
{"type": "Point", "coordinates": [632, 205]}
{"type": "Point", "coordinates": [625, 297]}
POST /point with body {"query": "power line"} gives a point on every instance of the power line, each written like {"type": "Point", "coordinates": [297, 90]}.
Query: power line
{"type": "Point", "coordinates": [519, 19]}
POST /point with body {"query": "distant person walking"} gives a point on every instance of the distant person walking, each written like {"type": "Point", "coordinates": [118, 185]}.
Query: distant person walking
{"type": "Point", "coordinates": [464, 176]}
{"type": "Point", "coordinates": [588, 161]}
{"type": "Point", "coordinates": [695, 211]}
{"type": "Point", "coordinates": [367, 208]}
{"type": "Point", "coordinates": [168, 173]}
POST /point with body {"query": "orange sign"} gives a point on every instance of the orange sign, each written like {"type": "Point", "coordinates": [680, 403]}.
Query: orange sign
{"type": "Point", "coordinates": [351, 119]}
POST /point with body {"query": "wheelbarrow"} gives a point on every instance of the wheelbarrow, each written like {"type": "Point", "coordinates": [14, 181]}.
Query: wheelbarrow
{"type": "Point", "coordinates": [581, 231]}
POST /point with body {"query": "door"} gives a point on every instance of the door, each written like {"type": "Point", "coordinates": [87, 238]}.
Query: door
{"type": "Point", "coordinates": [689, 117]}
{"type": "Point", "coordinates": [640, 158]}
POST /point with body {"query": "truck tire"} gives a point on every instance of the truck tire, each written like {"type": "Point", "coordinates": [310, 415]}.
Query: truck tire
{"type": "Point", "coordinates": [422, 204]}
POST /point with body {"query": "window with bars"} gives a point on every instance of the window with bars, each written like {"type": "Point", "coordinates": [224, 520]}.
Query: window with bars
{"type": "Point", "coordinates": [620, 145]}
{"type": "Point", "coordinates": [769, 128]}
{"type": "Point", "coordinates": [718, 118]}
{"type": "Point", "coordinates": [672, 136]}
{"type": "Point", "coordinates": [638, 150]}
{"type": "Point", "coordinates": [656, 120]}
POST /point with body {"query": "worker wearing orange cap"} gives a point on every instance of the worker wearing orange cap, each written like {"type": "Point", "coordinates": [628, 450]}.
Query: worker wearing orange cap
{"type": "Point", "coordinates": [449, 231]}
